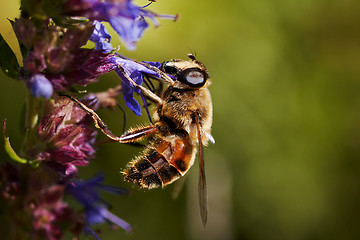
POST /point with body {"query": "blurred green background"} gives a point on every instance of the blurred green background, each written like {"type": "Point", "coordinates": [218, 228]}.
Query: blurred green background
{"type": "Point", "coordinates": [286, 84]}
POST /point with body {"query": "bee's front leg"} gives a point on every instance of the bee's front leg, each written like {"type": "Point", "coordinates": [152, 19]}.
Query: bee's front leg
{"type": "Point", "coordinates": [145, 91]}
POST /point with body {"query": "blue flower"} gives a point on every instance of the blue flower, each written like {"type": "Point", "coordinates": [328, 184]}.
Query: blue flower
{"type": "Point", "coordinates": [130, 30]}
{"type": "Point", "coordinates": [87, 193]}
{"type": "Point", "coordinates": [40, 86]}
{"type": "Point", "coordinates": [130, 69]}
{"type": "Point", "coordinates": [126, 18]}
{"type": "Point", "coordinates": [101, 38]}
{"type": "Point", "coordinates": [130, 23]}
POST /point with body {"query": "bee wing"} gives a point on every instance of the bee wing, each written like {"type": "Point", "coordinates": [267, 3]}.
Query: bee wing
{"type": "Point", "coordinates": [178, 186]}
{"type": "Point", "coordinates": [202, 191]}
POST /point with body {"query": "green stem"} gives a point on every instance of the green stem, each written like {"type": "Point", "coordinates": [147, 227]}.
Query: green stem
{"type": "Point", "coordinates": [31, 123]}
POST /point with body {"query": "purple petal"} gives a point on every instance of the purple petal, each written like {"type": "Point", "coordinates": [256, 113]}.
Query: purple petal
{"type": "Point", "coordinates": [130, 30]}
{"type": "Point", "coordinates": [68, 154]}
{"type": "Point", "coordinates": [88, 230]}
{"type": "Point", "coordinates": [70, 170]}
{"type": "Point", "coordinates": [112, 189]}
{"type": "Point", "coordinates": [65, 171]}
{"type": "Point", "coordinates": [154, 64]}
{"type": "Point", "coordinates": [129, 99]}
{"type": "Point", "coordinates": [127, 19]}
{"type": "Point", "coordinates": [134, 71]}
{"type": "Point", "coordinates": [115, 219]}
{"type": "Point", "coordinates": [86, 193]}
{"type": "Point", "coordinates": [101, 214]}
{"type": "Point", "coordinates": [101, 38]}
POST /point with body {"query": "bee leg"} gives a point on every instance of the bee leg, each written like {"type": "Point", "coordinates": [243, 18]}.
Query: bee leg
{"type": "Point", "coordinates": [108, 140]}
{"type": "Point", "coordinates": [164, 77]}
{"type": "Point", "coordinates": [137, 134]}
{"type": "Point", "coordinates": [145, 91]}
{"type": "Point", "coordinates": [130, 136]}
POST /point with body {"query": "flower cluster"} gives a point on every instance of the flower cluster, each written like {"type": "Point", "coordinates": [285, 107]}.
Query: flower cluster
{"type": "Point", "coordinates": [59, 137]}
{"type": "Point", "coordinates": [68, 137]}
{"type": "Point", "coordinates": [54, 58]}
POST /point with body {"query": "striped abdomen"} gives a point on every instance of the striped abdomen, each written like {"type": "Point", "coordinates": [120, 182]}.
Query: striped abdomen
{"type": "Point", "coordinates": [164, 161]}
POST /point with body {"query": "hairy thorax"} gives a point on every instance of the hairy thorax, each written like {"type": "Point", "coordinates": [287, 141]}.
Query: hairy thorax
{"type": "Point", "coordinates": [180, 108]}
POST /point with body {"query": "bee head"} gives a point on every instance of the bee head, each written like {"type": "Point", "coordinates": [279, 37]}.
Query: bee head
{"type": "Point", "coordinates": [188, 74]}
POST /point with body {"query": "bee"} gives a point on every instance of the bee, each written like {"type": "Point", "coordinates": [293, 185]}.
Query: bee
{"type": "Point", "coordinates": [182, 120]}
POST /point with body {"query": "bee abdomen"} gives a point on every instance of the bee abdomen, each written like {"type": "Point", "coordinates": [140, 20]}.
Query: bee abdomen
{"type": "Point", "coordinates": [151, 170]}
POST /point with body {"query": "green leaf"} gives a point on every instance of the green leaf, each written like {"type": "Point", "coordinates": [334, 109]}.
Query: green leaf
{"type": "Point", "coordinates": [8, 60]}
{"type": "Point", "coordinates": [24, 50]}
{"type": "Point", "coordinates": [9, 150]}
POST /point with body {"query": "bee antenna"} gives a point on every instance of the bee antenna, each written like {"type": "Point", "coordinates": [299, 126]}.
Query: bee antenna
{"type": "Point", "coordinates": [192, 54]}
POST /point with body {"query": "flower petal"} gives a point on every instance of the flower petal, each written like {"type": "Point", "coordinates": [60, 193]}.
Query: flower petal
{"type": "Point", "coordinates": [130, 30]}
{"type": "Point", "coordinates": [101, 38]}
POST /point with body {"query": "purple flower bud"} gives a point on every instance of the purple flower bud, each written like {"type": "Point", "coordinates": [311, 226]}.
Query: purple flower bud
{"type": "Point", "coordinates": [40, 86]}
{"type": "Point", "coordinates": [10, 182]}
{"type": "Point", "coordinates": [43, 222]}
{"type": "Point", "coordinates": [49, 212]}
{"type": "Point", "coordinates": [35, 62]}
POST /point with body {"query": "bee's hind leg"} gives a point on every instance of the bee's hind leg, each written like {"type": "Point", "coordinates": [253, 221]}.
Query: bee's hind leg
{"type": "Point", "coordinates": [137, 134]}
{"type": "Point", "coordinates": [132, 135]}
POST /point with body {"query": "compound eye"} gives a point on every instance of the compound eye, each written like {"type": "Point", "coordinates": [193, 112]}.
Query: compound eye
{"type": "Point", "coordinates": [170, 69]}
{"type": "Point", "coordinates": [195, 77]}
